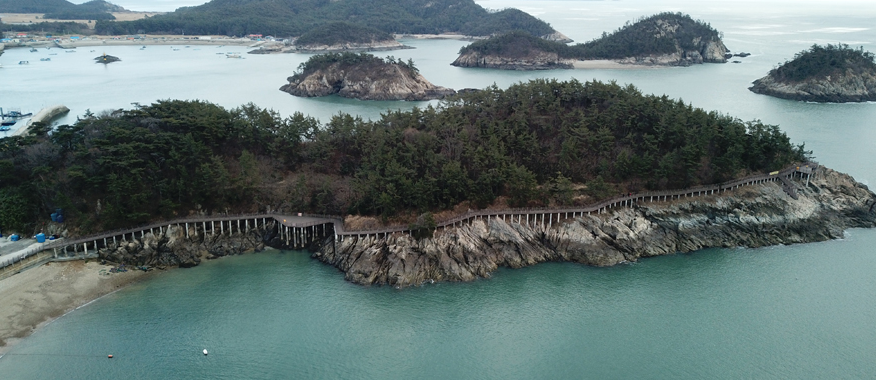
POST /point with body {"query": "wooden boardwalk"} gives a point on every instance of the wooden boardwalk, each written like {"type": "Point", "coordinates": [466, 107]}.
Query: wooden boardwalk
{"type": "Point", "coordinates": [301, 230]}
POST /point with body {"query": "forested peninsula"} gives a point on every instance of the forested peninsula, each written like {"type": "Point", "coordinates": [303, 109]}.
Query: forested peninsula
{"type": "Point", "coordinates": [832, 73]}
{"type": "Point", "coordinates": [292, 18]}
{"type": "Point", "coordinates": [540, 143]}
{"type": "Point", "coordinates": [362, 76]}
{"type": "Point", "coordinates": [672, 39]}
{"type": "Point", "coordinates": [548, 144]}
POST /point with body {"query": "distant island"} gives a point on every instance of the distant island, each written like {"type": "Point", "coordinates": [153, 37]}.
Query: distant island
{"type": "Point", "coordinates": [293, 18]}
{"type": "Point", "coordinates": [832, 73]}
{"type": "Point", "coordinates": [344, 36]}
{"type": "Point", "coordinates": [668, 39]}
{"type": "Point", "coordinates": [362, 76]}
{"type": "Point", "coordinates": [63, 9]}
{"type": "Point", "coordinates": [517, 50]}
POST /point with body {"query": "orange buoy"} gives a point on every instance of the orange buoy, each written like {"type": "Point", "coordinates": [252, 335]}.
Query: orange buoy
{"type": "Point", "coordinates": [109, 356]}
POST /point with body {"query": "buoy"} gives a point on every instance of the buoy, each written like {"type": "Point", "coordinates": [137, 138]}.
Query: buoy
{"type": "Point", "coordinates": [109, 356]}
{"type": "Point", "coordinates": [205, 351]}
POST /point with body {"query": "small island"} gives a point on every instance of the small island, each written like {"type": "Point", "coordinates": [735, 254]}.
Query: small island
{"type": "Point", "coordinates": [517, 50]}
{"type": "Point", "coordinates": [825, 74]}
{"type": "Point", "coordinates": [362, 76]}
{"type": "Point", "coordinates": [344, 36]}
{"type": "Point", "coordinates": [106, 59]}
{"type": "Point", "coordinates": [665, 39]}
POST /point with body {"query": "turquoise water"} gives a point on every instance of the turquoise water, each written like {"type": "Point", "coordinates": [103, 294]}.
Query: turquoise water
{"type": "Point", "coordinates": [780, 312]}
{"type": "Point", "coordinates": [802, 311]}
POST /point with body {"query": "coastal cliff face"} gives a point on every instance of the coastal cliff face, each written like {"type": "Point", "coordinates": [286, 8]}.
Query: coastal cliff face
{"type": "Point", "coordinates": [706, 51]}
{"type": "Point", "coordinates": [749, 217]}
{"type": "Point", "coordinates": [847, 87]}
{"type": "Point", "coordinates": [171, 247]}
{"type": "Point", "coordinates": [538, 60]}
{"type": "Point", "coordinates": [388, 82]}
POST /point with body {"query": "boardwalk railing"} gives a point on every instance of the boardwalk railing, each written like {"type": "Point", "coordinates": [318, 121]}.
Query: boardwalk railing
{"type": "Point", "coordinates": [301, 229]}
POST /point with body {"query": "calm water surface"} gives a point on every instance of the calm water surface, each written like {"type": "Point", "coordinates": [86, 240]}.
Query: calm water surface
{"type": "Point", "coordinates": [803, 311]}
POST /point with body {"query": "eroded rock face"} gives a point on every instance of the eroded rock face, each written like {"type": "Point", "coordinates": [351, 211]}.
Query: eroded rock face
{"type": "Point", "coordinates": [389, 82]}
{"type": "Point", "coordinates": [847, 87]}
{"type": "Point", "coordinates": [171, 247]}
{"type": "Point", "coordinates": [535, 61]}
{"type": "Point", "coordinates": [711, 51]}
{"type": "Point", "coordinates": [748, 217]}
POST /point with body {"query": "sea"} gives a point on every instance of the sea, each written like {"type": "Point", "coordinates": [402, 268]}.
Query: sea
{"type": "Point", "coordinates": [800, 311]}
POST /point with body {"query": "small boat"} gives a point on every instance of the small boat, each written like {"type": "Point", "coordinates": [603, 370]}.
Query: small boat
{"type": "Point", "coordinates": [33, 50]}
{"type": "Point", "coordinates": [45, 59]}
{"type": "Point", "coordinates": [23, 62]}
{"type": "Point", "coordinates": [4, 127]}
{"type": "Point", "coordinates": [53, 53]}
{"type": "Point", "coordinates": [71, 51]}
{"type": "Point", "coordinates": [175, 49]}
{"type": "Point", "coordinates": [232, 55]}
{"type": "Point", "coordinates": [205, 351]}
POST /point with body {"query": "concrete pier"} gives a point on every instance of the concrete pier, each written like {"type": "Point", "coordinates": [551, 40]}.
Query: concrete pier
{"type": "Point", "coordinates": [47, 114]}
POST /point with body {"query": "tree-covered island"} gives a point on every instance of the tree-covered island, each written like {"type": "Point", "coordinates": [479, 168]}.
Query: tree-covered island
{"type": "Point", "coordinates": [362, 76]}
{"type": "Point", "coordinates": [832, 73]}
{"type": "Point", "coordinates": [662, 39]}
{"type": "Point", "coordinates": [345, 36]}
{"type": "Point", "coordinates": [541, 143]}
{"type": "Point", "coordinates": [293, 18]}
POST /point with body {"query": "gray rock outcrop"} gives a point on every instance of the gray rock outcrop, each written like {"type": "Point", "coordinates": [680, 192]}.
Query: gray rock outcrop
{"type": "Point", "coordinates": [706, 51]}
{"type": "Point", "coordinates": [748, 217]}
{"type": "Point", "coordinates": [846, 87]}
{"type": "Point", "coordinates": [388, 82]}
{"type": "Point", "coordinates": [535, 61]}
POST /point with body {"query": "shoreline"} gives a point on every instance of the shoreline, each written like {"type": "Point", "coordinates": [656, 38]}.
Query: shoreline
{"type": "Point", "coordinates": [597, 64]}
{"type": "Point", "coordinates": [159, 40]}
{"type": "Point", "coordinates": [39, 296]}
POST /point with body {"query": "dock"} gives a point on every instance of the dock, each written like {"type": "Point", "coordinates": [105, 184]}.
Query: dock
{"type": "Point", "coordinates": [45, 115]}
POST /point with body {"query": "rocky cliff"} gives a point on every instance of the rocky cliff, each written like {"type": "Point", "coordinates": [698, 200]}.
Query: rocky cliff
{"type": "Point", "coordinates": [539, 60]}
{"type": "Point", "coordinates": [749, 217]}
{"type": "Point", "coordinates": [704, 51]}
{"type": "Point", "coordinates": [383, 82]}
{"type": "Point", "coordinates": [170, 247]}
{"type": "Point", "coordinates": [849, 86]}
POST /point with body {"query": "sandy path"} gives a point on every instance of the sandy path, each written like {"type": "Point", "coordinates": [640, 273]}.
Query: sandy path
{"type": "Point", "coordinates": [36, 296]}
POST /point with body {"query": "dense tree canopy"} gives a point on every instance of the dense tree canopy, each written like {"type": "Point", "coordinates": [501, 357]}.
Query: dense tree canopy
{"type": "Point", "coordinates": [62, 9]}
{"type": "Point", "coordinates": [647, 36]}
{"type": "Point", "coordinates": [342, 32]}
{"type": "Point", "coordinates": [363, 63]}
{"type": "Point", "coordinates": [68, 27]}
{"type": "Point", "coordinates": [822, 61]}
{"type": "Point", "coordinates": [295, 17]}
{"type": "Point", "coordinates": [662, 33]}
{"type": "Point", "coordinates": [537, 143]}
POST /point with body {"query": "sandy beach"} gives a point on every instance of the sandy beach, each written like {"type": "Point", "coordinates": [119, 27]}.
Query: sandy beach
{"type": "Point", "coordinates": [37, 296]}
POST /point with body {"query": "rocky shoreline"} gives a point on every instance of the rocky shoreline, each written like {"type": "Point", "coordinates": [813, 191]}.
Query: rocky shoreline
{"type": "Point", "coordinates": [752, 216]}
{"type": "Point", "coordinates": [388, 82]}
{"type": "Point", "coordinates": [845, 88]}
{"type": "Point", "coordinates": [537, 61]}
